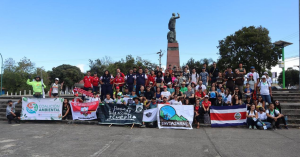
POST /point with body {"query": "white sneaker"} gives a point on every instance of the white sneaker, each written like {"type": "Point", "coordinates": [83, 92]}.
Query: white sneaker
{"type": "Point", "coordinates": [250, 127]}
{"type": "Point", "coordinates": [255, 128]}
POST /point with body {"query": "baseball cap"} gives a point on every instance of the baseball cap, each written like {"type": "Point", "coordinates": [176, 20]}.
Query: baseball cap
{"type": "Point", "coordinates": [193, 82]}
{"type": "Point", "coordinates": [266, 73]}
{"type": "Point", "coordinates": [203, 67]}
{"type": "Point", "coordinates": [119, 94]}
{"type": "Point", "coordinates": [263, 76]}
{"type": "Point", "coordinates": [206, 96]}
{"type": "Point", "coordinates": [9, 101]}
{"type": "Point", "coordinates": [251, 75]}
{"type": "Point", "coordinates": [57, 79]}
{"type": "Point", "coordinates": [165, 86]}
{"type": "Point", "coordinates": [117, 87]}
{"type": "Point", "coordinates": [164, 97]}
{"type": "Point", "coordinates": [150, 82]}
{"type": "Point", "coordinates": [252, 67]}
{"type": "Point", "coordinates": [182, 82]}
{"type": "Point", "coordinates": [169, 83]}
{"type": "Point", "coordinates": [261, 109]}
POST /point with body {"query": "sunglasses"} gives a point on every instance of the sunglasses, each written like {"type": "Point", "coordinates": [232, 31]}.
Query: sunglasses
{"type": "Point", "coordinates": [236, 89]}
{"type": "Point", "coordinates": [276, 101]}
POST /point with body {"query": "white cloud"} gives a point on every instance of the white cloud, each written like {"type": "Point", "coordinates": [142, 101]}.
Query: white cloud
{"type": "Point", "coordinates": [81, 67]}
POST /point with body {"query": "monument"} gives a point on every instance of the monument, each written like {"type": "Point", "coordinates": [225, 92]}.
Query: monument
{"type": "Point", "coordinates": [173, 50]}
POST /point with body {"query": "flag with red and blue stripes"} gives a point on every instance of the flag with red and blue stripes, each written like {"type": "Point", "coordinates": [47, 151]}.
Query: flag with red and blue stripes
{"type": "Point", "coordinates": [222, 116]}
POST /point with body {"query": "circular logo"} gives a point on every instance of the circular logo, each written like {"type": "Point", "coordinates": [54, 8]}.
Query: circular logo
{"type": "Point", "coordinates": [32, 107]}
{"type": "Point", "coordinates": [237, 116]}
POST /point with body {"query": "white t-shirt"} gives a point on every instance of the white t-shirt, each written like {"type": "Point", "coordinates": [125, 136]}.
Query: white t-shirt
{"type": "Point", "coordinates": [94, 99]}
{"type": "Point", "coordinates": [55, 88]}
{"type": "Point", "coordinates": [165, 94]}
{"type": "Point", "coordinates": [264, 87]}
{"type": "Point", "coordinates": [251, 114]}
{"type": "Point", "coordinates": [228, 99]}
{"type": "Point", "coordinates": [108, 101]}
{"type": "Point", "coordinates": [262, 116]}
{"type": "Point", "coordinates": [174, 102]}
{"type": "Point", "coordinates": [194, 78]}
{"type": "Point", "coordinates": [272, 113]}
{"type": "Point", "coordinates": [269, 80]}
{"type": "Point", "coordinates": [255, 75]}
{"type": "Point", "coordinates": [203, 87]}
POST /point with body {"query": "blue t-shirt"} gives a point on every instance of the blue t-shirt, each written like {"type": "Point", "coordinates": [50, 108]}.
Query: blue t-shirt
{"type": "Point", "coordinates": [133, 96]}
{"type": "Point", "coordinates": [153, 105]}
{"type": "Point", "coordinates": [171, 90]}
{"type": "Point", "coordinates": [212, 95]}
{"type": "Point", "coordinates": [248, 91]}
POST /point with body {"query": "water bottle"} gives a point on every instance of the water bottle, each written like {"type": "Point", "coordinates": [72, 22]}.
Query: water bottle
{"type": "Point", "coordinates": [286, 119]}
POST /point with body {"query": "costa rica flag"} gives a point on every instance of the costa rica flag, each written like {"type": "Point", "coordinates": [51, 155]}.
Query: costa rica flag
{"type": "Point", "coordinates": [222, 116]}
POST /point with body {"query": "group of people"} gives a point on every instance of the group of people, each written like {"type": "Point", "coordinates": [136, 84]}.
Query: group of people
{"type": "Point", "coordinates": [186, 87]}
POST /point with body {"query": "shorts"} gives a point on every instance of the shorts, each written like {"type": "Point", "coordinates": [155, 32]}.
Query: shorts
{"type": "Point", "coordinates": [54, 94]}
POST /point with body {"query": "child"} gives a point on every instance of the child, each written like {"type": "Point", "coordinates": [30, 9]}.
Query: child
{"type": "Point", "coordinates": [213, 95]}
{"type": "Point", "coordinates": [248, 91]}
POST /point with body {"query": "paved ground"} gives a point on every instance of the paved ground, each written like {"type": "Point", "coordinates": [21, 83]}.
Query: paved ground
{"type": "Point", "coordinates": [32, 139]}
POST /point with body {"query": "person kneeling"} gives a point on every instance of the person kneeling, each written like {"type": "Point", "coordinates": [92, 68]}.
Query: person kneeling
{"type": "Point", "coordinates": [273, 116]}
{"type": "Point", "coordinates": [11, 113]}
{"type": "Point", "coordinates": [252, 116]}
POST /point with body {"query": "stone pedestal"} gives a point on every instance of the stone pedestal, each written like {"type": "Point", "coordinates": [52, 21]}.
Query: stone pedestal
{"type": "Point", "coordinates": [173, 55]}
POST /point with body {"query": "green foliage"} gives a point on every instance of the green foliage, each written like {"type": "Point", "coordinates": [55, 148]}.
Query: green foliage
{"type": "Point", "coordinates": [252, 46]}
{"type": "Point", "coordinates": [291, 77]}
{"type": "Point", "coordinates": [199, 64]}
{"type": "Point", "coordinates": [106, 63]}
{"type": "Point", "coordinates": [66, 73]}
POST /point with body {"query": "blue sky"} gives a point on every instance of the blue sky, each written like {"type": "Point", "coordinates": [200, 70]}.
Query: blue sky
{"type": "Point", "coordinates": [55, 32]}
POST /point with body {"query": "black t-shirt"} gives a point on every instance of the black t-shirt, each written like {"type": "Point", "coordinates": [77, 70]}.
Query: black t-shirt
{"type": "Point", "coordinates": [219, 103]}
{"type": "Point", "coordinates": [230, 78]}
{"type": "Point", "coordinates": [246, 102]}
{"type": "Point", "coordinates": [167, 79]}
{"type": "Point", "coordinates": [214, 72]}
{"type": "Point", "coordinates": [149, 95]}
{"type": "Point", "coordinates": [220, 80]}
{"type": "Point", "coordinates": [239, 79]}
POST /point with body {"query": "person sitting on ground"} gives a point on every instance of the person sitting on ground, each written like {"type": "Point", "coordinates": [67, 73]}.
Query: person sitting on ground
{"type": "Point", "coordinates": [166, 93]}
{"type": "Point", "coordinates": [252, 116]}
{"type": "Point", "coordinates": [133, 95]}
{"type": "Point", "coordinates": [199, 94]}
{"type": "Point", "coordinates": [119, 99]}
{"type": "Point", "coordinates": [205, 105]}
{"type": "Point", "coordinates": [260, 103]}
{"type": "Point", "coordinates": [37, 86]}
{"type": "Point", "coordinates": [213, 95]}
{"type": "Point", "coordinates": [66, 111]}
{"type": "Point", "coordinates": [219, 101]}
{"type": "Point", "coordinates": [177, 92]}
{"type": "Point", "coordinates": [149, 94]}
{"type": "Point", "coordinates": [273, 116]}
{"type": "Point", "coordinates": [189, 94]}
{"type": "Point", "coordinates": [11, 113]}
{"type": "Point", "coordinates": [165, 101]}
{"type": "Point", "coordinates": [248, 102]}
{"type": "Point", "coordinates": [136, 101]}
{"type": "Point", "coordinates": [197, 113]}
{"type": "Point", "coordinates": [262, 119]}
{"type": "Point", "coordinates": [227, 99]}
{"type": "Point", "coordinates": [158, 94]}
{"type": "Point", "coordinates": [55, 88]}
{"type": "Point", "coordinates": [278, 108]}
{"type": "Point", "coordinates": [116, 92]}
{"type": "Point", "coordinates": [183, 88]}
{"type": "Point", "coordinates": [108, 99]}
{"type": "Point", "coordinates": [153, 103]}
{"type": "Point", "coordinates": [175, 101]}
{"type": "Point", "coordinates": [170, 88]}
{"type": "Point", "coordinates": [248, 91]}
{"type": "Point", "coordinates": [236, 101]}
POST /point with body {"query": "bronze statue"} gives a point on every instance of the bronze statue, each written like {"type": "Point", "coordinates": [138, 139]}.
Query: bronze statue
{"type": "Point", "coordinates": [172, 33]}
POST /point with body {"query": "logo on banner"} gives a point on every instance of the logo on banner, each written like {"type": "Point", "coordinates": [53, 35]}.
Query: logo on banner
{"type": "Point", "coordinates": [139, 108]}
{"type": "Point", "coordinates": [84, 110]}
{"type": "Point", "coordinates": [169, 117]}
{"type": "Point", "coordinates": [149, 114]}
{"type": "Point", "coordinates": [237, 116]}
{"type": "Point", "coordinates": [31, 107]}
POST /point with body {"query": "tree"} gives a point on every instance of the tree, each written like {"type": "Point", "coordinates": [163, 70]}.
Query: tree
{"type": "Point", "coordinates": [66, 73]}
{"type": "Point", "coordinates": [252, 46]}
{"type": "Point", "coordinates": [199, 64]}
{"type": "Point", "coordinates": [291, 77]}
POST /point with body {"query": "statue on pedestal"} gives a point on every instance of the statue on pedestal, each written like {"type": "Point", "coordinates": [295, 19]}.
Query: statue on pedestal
{"type": "Point", "coordinates": [172, 33]}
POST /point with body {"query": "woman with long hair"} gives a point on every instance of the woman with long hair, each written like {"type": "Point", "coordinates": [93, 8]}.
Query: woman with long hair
{"type": "Point", "coordinates": [260, 103]}
{"type": "Point", "coordinates": [227, 98]}
{"type": "Point", "coordinates": [197, 113]}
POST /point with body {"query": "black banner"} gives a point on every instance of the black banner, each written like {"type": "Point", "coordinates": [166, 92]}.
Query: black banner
{"type": "Point", "coordinates": [120, 114]}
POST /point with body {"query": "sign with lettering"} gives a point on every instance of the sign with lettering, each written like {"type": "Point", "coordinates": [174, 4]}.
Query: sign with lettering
{"type": "Point", "coordinates": [41, 109]}
{"type": "Point", "coordinates": [120, 114]}
{"type": "Point", "coordinates": [175, 116]}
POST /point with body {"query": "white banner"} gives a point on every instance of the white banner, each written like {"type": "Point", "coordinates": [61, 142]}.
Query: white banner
{"type": "Point", "coordinates": [175, 116]}
{"type": "Point", "coordinates": [41, 109]}
{"type": "Point", "coordinates": [84, 111]}
{"type": "Point", "coordinates": [150, 115]}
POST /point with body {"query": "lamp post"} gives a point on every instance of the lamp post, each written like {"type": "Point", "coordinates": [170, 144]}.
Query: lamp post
{"type": "Point", "coordinates": [1, 72]}
{"type": "Point", "coordinates": [283, 44]}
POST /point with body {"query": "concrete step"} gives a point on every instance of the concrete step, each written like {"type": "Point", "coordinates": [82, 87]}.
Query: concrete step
{"type": "Point", "coordinates": [290, 111]}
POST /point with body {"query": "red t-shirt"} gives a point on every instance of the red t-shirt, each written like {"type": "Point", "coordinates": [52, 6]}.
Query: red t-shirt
{"type": "Point", "coordinates": [197, 108]}
{"type": "Point", "coordinates": [119, 80]}
{"type": "Point", "coordinates": [151, 79]}
{"type": "Point", "coordinates": [122, 75]}
{"type": "Point", "coordinates": [200, 94]}
{"type": "Point", "coordinates": [95, 81]}
{"type": "Point", "coordinates": [165, 103]}
{"type": "Point", "coordinates": [206, 104]}
{"type": "Point", "coordinates": [87, 81]}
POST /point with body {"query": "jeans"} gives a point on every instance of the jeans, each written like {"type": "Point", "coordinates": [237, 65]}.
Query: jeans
{"type": "Point", "coordinates": [96, 89]}
{"type": "Point", "coordinates": [251, 122]}
{"type": "Point", "coordinates": [266, 98]}
{"type": "Point", "coordinates": [268, 124]}
{"type": "Point", "coordinates": [11, 117]}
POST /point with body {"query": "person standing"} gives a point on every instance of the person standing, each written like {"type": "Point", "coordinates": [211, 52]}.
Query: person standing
{"type": "Point", "coordinates": [254, 74]}
{"type": "Point", "coordinates": [119, 81]}
{"type": "Point", "coordinates": [56, 88]}
{"type": "Point", "coordinates": [268, 78]}
{"type": "Point", "coordinates": [87, 81]}
{"type": "Point", "coordinates": [106, 87]}
{"type": "Point", "coordinates": [130, 80]}
{"type": "Point", "coordinates": [121, 74]}
{"type": "Point", "coordinates": [239, 80]}
{"type": "Point", "coordinates": [229, 77]}
{"type": "Point", "coordinates": [265, 89]}
{"type": "Point", "coordinates": [36, 86]}
{"type": "Point", "coordinates": [95, 82]}
{"type": "Point", "coordinates": [140, 80]}
{"type": "Point", "coordinates": [241, 69]}
{"type": "Point", "coordinates": [204, 77]}
{"type": "Point", "coordinates": [186, 74]}
{"type": "Point", "coordinates": [194, 76]}
{"type": "Point", "coordinates": [214, 72]}
{"type": "Point", "coordinates": [11, 113]}
{"type": "Point", "coordinates": [134, 71]}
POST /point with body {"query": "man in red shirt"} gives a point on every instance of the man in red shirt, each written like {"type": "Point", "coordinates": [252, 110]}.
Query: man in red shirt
{"type": "Point", "coordinates": [87, 81]}
{"type": "Point", "coordinates": [119, 81]}
{"type": "Point", "coordinates": [121, 74]}
{"type": "Point", "coordinates": [205, 105]}
{"type": "Point", "coordinates": [95, 82]}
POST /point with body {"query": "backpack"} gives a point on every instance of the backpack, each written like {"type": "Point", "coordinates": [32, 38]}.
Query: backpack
{"type": "Point", "coordinates": [275, 115]}
{"type": "Point", "coordinates": [250, 110]}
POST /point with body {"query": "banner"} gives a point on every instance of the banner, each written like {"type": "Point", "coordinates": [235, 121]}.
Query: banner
{"type": "Point", "coordinates": [84, 111]}
{"type": "Point", "coordinates": [150, 115]}
{"type": "Point", "coordinates": [79, 90]}
{"type": "Point", "coordinates": [175, 116]}
{"type": "Point", "coordinates": [228, 115]}
{"type": "Point", "coordinates": [120, 114]}
{"type": "Point", "coordinates": [41, 109]}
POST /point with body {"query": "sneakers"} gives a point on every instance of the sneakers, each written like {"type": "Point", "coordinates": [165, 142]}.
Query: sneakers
{"type": "Point", "coordinates": [286, 127]}
{"type": "Point", "coordinates": [250, 127]}
{"type": "Point", "coordinates": [278, 127]}
{"type": "Point", "coordinates": [9, 122]}
{"type": "Point", "coordinates": [143, 126]}
{"type": "Point", "coordinates": [254, 127]}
